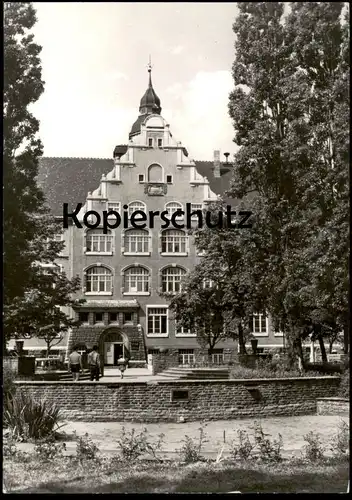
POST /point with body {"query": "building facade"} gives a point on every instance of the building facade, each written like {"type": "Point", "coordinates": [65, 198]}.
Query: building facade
{"type": "Point", "coordinates": [123, 269]}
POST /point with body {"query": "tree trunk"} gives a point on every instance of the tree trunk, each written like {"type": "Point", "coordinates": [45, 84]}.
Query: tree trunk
{"type": "Point", "coordinates": [331, 344]}
{"type": "Point", "coordinates": [241, 341]}
{"type": "Point", "coordinates": [346, 339]}
{"type": "Point", "coordinates": [47, 348]}
{"type": "Point", "coordinates": [324, 357]}
{"type": "Point", "coordinates": [299, 351]}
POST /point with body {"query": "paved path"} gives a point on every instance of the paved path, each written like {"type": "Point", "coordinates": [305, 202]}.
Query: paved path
{"type": "Point", "coordinates": [292, 429]}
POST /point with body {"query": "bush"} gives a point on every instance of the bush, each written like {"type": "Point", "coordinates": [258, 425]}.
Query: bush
{"type": "Point", "coordinates": [344, 388]}
{"type": "Point", "coordinates": [314, 450]}
{"type": "Point", "coordinates": [268, 451]}
{"type": "Point", "coordinates": [190, 451]}
{"type": "Point", "coordinates": [243, 448]}
{"type": "Point", "coordinates": [49, 449]}
{"type": "Point", "coordinates": [340, 442]}
{"type": "Point", "coordinates": [28, 418]}
{"type": "Point", "coordinates": [9, 388]}
{"type": "Point", "coordinates": [132, 445]}
{"type": "Point", "coordinates": [86, 449]}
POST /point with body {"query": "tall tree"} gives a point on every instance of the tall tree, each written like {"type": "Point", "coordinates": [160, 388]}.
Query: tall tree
{"type": "Point", "coordinates": [33, 290]}
{"type": "Point", "coordinates": [285, 116]}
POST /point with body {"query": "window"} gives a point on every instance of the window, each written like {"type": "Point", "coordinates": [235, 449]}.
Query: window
{"type": "Point", "coordinates": [160, 143]}
{"type": "Point", "coordinates": [98, 280]}
{"type": "Point", "coordinates": [217, 356]}
{"type": "Point", "coordinates": [136, 280]}
{"type": "Point", "coordinates": [98, 242]}
{"type": "Point", "coordinates": [58, 237]}
{"type": "Point", "coordinates": [208, 283]}
{"type": "Point", "coordinates": [127, 317]}
{"type": "Point", "coordinates": [194, 207]}
{"type": "Point", "coordinates": [155, 173]}
{"type": "Point", "coordinates": [172, 207]}
{"type": "Point", "coordinates": [136, 205]}
{"type": "Point", "coordinates": [150, 142]}
{"type": "Point", "coordinates": [180, 331]}
{"type": "Point", "coordinates": [136, 241]}
{"type": "Point", "coordinates": [171, 279]}
{"type": "Point", "coordinates": [157, 320]}
{"type": "Point", "coordinates": [98, 317]}
{"type": "Point", "coordinates": [84, 317]}
{"type": "Point", "coordinates": [153, 351]}
{"type": "Point", "coordinates": [259, 324]}
{"type": "Point", "coordinates": [169, 179]}
{"type": "Point", "coordinates": [173, 241]}
{"type": "Point", "coordinates": [186, 356]}
{"type": "Point", "coordinates": [113, 318]}
{"type": "Point", "coordinates": [115, 206]}
{"type": "Point", "coordinates": [141, 178]}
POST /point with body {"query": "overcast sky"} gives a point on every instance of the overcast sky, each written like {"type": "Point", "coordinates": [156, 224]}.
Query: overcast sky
{"type": "Point", "coordinates": [94, 60]}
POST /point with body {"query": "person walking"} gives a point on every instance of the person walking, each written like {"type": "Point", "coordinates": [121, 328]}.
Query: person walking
{"type": "Point", "coordinates": [121, 363]}
{"type": "Point", "coordinates": [75, 364]}
{"type": "Point", "coordinates": [94, 364]}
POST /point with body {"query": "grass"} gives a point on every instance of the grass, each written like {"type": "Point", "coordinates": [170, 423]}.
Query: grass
{"type": "Point", "coordinates": [67, 476]}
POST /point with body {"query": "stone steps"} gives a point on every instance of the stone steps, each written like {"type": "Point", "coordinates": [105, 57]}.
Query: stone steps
{"type": "Point", "coordinates": [195, 373]}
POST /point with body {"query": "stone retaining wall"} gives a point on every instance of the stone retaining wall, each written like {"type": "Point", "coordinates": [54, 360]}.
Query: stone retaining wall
{"type": "Point", "coordinates": [167, 401]}
{"type": "Point", "coordinates": [333, 406]}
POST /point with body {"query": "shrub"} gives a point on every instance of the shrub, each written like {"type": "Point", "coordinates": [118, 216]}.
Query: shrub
{"type": "Point", "coordinates": [314, 450]}
{"type": "Point", "coordinates": [132, 445]}
{"type": "Point", "coordinates": [49, 449]}
{"type": "Point", "coordinates": [340, 442]}
{"type": "Point", "coordinates": [344, 388]}
{"type": "Point", "coordinates": [268, 451]}
{"type": "Point", "coordinates": [8, 386]}
{"type": "Point", "coordinates": [191, 449]}
{"type": "Point", "coordinates": [28, 418]}
{"type": "Point", "coordinates": [86, 449]}
{"type": "Point", "coordinates": [9, 448]}
{"type": "Point", "coordinates": [243, 449]}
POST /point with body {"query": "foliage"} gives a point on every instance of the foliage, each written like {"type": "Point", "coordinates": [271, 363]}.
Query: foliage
{"type": "Point", "coordinates": [340, 444]}
{"type": "Point", "coordinates": [48, 449]}
{"type": "Point", "coordinates": [243, 448]}
{"type": "Point", "coordinates": [132, 445]}
{"type": "Point", "coordinates": [86, 449]}
{"type": "Point", "coordinates": [344, 387]}
{"type": "Point", "coordinates": [190, 451]}
{"type": "Point", "coordinates": [8, 386]}
{"type": "Point", "coordinates": [32, 293]}
{"type": "Point", "coordinates": [28, 418]}
{"type": "Point", "coordinates": [268, 450]}
{"type": "Point", "coordinates": [314, 450]}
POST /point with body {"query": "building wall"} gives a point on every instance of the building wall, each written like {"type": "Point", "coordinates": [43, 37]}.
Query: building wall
{"type": "Point", "coordinates": [206, 399]}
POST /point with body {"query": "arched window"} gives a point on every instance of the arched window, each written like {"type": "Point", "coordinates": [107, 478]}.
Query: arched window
{"type": "Point", "coordinates": [171, 279]}
{"type": "Point", "coordinates": [98, 242]}
{"type": "Point", "coordinates": [98, 280]}
{"type": "Point", "coordinates": [172, 207]}
{"type": "Point", "coordinates": [136, 280]}
{"type": "Point", "coordinates": [136, 241]}
{"type": "Point", "coordinates": [155, 173]}
{"type": "Point", "coordinates": [136, 205]}
{"type": "Point", "coordinates": [173, 241]}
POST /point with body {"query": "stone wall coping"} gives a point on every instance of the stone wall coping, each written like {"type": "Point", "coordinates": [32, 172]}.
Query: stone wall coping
{"type": "Point", "coordinates": [246, 381]}
{"type": "Point", "coordinates": [344, 400]}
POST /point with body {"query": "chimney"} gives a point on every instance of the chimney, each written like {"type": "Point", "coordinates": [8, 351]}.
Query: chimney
{"type": "Point", "coordinates": [216, 163]}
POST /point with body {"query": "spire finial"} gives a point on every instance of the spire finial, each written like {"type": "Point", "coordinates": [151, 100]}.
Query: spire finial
{"type": "Point", "coordinates": [149, 66]}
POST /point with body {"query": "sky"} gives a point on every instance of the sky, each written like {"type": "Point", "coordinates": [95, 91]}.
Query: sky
{"type": "Point", "coordinates": [94, 61]}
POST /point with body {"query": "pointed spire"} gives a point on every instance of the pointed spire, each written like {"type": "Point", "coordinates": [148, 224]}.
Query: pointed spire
{"type": "Point", "coordinates": [149, 66]}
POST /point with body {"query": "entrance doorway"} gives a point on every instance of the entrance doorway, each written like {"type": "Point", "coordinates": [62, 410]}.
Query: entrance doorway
{"type": "Point", "coordinates": [112, 352]}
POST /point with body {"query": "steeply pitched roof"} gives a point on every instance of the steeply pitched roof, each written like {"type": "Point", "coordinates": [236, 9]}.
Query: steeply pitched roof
{"type": "Point", "coordinates": [68, 180]}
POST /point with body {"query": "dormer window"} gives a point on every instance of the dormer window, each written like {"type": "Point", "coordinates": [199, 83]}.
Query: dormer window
{"type": "Point", "coordinates": [150, 142]}
{"type": "Point", "coordinates": [160, 143]}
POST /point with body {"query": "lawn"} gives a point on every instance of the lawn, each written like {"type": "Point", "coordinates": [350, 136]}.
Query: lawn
{"type": "Point", "coordinates": [66, 476]}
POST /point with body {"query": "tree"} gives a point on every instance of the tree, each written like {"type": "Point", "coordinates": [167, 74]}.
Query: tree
{"type": "Point", "coordinates": [34, 291]}
{"type": "Point", "coordinates": [220, 295]}
{"type": "Point", "coordinates": [290, 76]}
